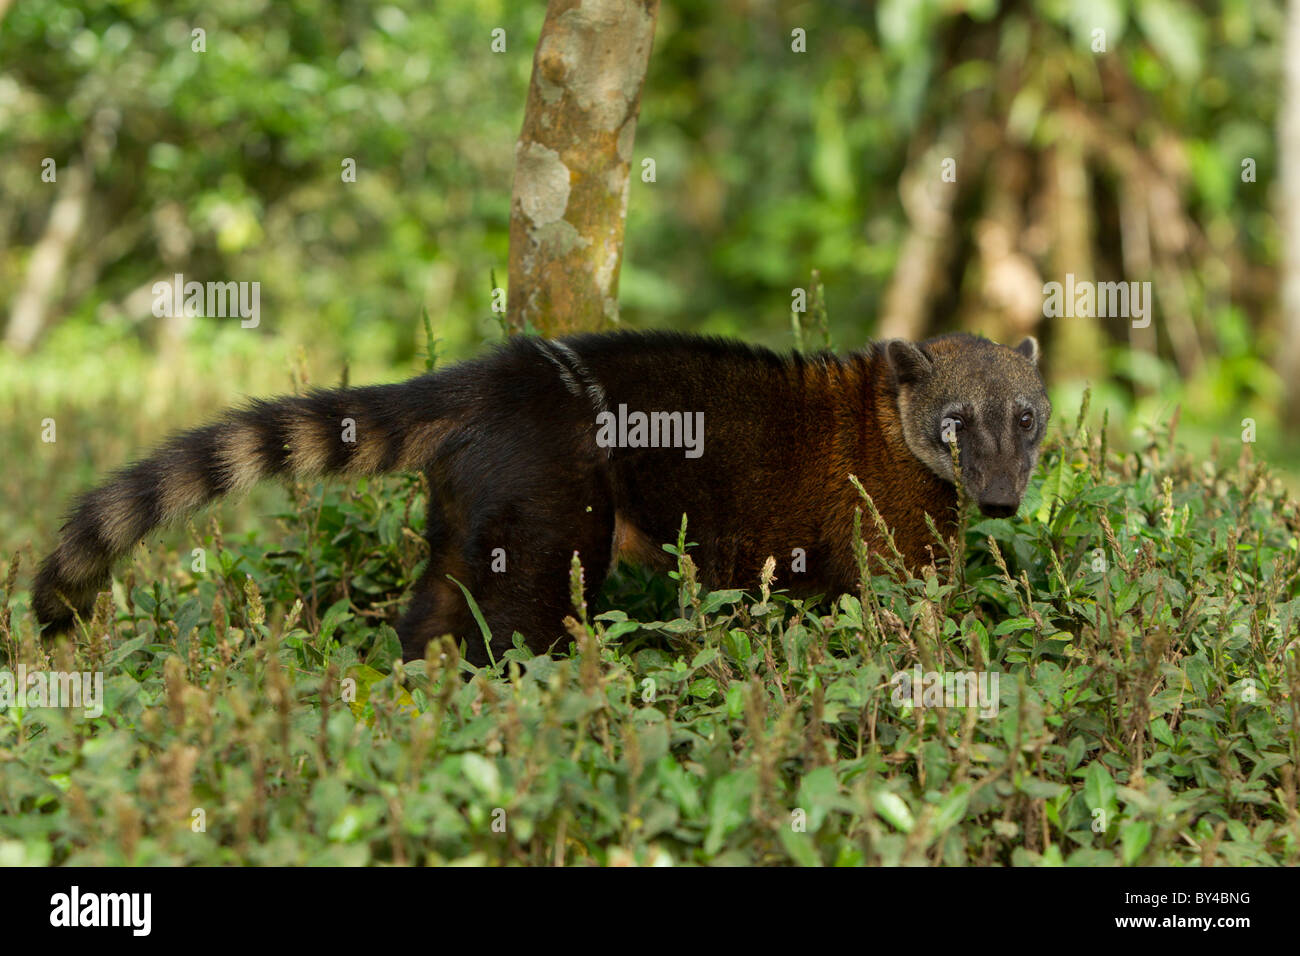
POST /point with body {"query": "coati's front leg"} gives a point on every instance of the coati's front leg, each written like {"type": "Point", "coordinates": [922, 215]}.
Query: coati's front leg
{"type": "Point", "coordinates": [509, 538]}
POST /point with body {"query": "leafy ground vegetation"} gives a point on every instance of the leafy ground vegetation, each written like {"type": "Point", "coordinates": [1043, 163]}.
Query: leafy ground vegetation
{"type": "Point", "coordinates": [1140, 612]}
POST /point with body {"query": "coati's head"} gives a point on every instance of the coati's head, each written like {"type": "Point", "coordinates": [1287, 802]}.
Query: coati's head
{"type": "Point", "coordinates": [986, 397]}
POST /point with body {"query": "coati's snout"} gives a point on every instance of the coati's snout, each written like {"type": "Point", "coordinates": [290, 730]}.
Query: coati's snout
{"type": "Point", "coordinates": [986, 399]}
{"type": "Point", "coordinates": [998, 507]}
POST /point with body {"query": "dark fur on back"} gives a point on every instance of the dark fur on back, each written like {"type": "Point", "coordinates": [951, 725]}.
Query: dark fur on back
{"type": "Point", "coordinates": [509, 444]}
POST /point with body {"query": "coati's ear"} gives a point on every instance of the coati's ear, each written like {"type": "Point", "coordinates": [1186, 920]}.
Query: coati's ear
{"type": "Point", "coordinates": [909, 362]}
{"type": "Point", "coordinates": [1029, 349]}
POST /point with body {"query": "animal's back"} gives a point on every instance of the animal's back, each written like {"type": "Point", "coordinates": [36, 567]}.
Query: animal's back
{"type": "Point", "coordinates": [540, 449]}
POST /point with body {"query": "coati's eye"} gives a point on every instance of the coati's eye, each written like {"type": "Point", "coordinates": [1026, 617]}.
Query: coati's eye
{"type": "Point", "coordinates": [1026, 420]}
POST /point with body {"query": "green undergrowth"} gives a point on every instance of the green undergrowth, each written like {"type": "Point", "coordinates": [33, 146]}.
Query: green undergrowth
{"type": "Point", "coordinates": [1140, 615]}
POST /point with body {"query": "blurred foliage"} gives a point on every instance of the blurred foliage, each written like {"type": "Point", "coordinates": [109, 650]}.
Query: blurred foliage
{"type": "Point", "coordinates": [226, 165]}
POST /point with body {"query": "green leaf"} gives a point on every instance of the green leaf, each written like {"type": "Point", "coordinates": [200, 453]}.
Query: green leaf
{"type": "Point", "coordinates": [1058, 488]}
{"type": "Point", "coordinates": [716, 599]}
{"type": "Point", "coordinates": [704, 688]}
{"type": "Point", "coordinates": [799, 846]}
{"type": "Point", "coordinates": [1074, 751]}
{"type": "Point", "coordinates": [952, 808]}
{"type": "Point", "coordinates": [818, 795]}
{"type": "Point", "coordinates": [482, 773]}
{"type": "Point", "coordinates": [620, 628]}
{"type": "Point", "coordinates": [894, 811]}
{"type": "Point", "coordinates": [1161, 732]}
{"type": "Point", "coordinates": [478, 617]}
{"type": "Point", "coordinates": [1041, 789]}
{"type": "Point", "coordinates": [1176, 32]}
{"type": "Point", "coordinates": [1134, 838]}
{"type": "Point", "coordinates": [125, 650]}
{"type": "Point", "coordinates": [706, 656]}
{"type": "Point", "coordinates": [336, 614]}
{"type": "Point", "coordinates": [1099, 789]}
{"type": "Point", "coordinates": [728, 807]}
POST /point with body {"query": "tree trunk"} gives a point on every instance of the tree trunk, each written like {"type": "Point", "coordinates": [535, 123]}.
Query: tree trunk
{"type": "Point", "coordinates": [928, 202]}
{"type": "Point", "coordinates": [1077, 349]}
{"type": "Point", "coordinates": [32, 303]}
{"type": "Point", "coordinates": [1289, 216]}
{"type": "Point", "coordinates": [569, 203]}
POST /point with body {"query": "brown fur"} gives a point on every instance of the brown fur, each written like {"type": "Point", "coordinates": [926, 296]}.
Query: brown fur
{"type": "Point", "coordinates": [512, 448]}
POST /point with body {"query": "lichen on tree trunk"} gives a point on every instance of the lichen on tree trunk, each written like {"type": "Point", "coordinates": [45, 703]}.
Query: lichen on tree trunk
{"type": "Point", "coordinates": [572, 161]}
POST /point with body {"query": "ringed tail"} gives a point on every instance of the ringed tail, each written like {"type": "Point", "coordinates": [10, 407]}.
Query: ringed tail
{"type": "Point", "coordinates": [391, 427]}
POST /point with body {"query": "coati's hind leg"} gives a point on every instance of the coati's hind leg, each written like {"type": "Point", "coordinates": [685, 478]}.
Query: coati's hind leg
{"type": "Point", "coordinates": [434, 610]}
{"type": "Point", "coordinates": [510, 543]}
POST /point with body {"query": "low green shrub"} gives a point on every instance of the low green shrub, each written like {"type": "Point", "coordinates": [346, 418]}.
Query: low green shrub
{"type": "Point", "coordinates": [1140, 614]}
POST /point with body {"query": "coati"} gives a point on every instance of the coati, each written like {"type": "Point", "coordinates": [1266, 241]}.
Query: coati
{"type": "Point", "coordinates": [544, 447]}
